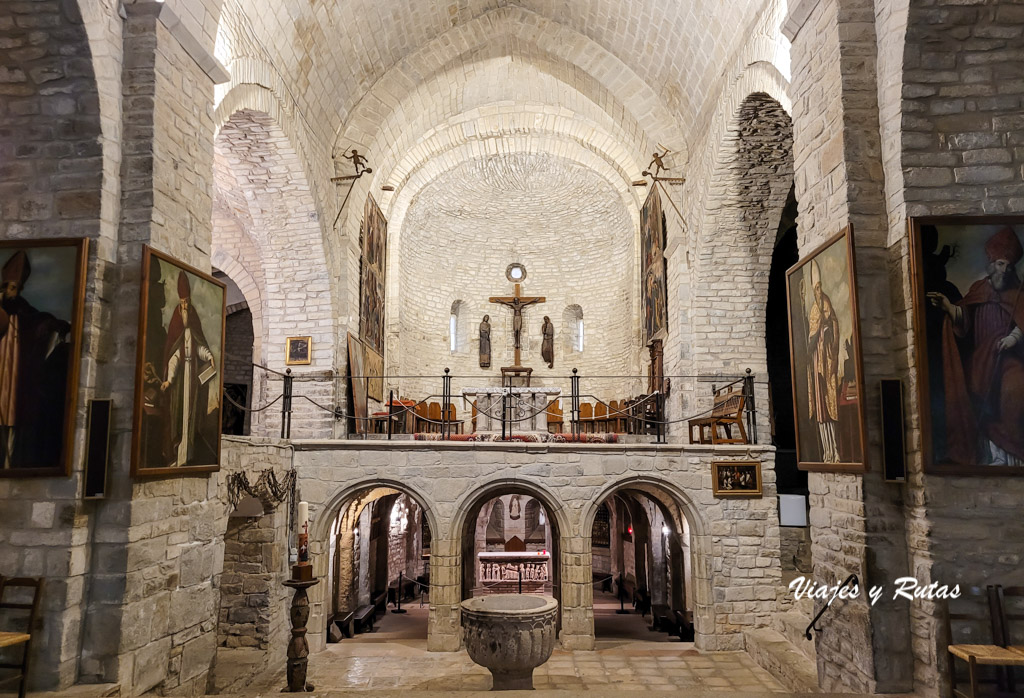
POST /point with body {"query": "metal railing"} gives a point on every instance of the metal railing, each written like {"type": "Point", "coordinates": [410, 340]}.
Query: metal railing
{"type": "Point", "coordinates": [643, 414]}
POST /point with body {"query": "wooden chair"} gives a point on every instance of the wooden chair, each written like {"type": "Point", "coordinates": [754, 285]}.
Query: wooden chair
{"type": "Point", "coordinates": [983, 623]}
{"type": "Point", "coordinates": [555, 418]}
{"type": "Point", "coordinates": [1005, 612]}
{"type": "Point", "coordinates": [421, 412]}
{"type": "Point", "coordinates": [726, 413]}
{"type": "Point", "coordinates": [454, 419]}
{"type": "Point", "coordinates": [600, 417]}
{"type": "Point", "coordinates": [12, 639]}
{"type": "Point", "coordinates": [586, 417]}
{"type": "Point", "coordinates": [434, 414]}
{"type": "Point", "coordinates": [616, 420]}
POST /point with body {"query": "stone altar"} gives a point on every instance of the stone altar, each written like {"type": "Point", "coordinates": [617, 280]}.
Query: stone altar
{"type": "Point", "coordinates": [510, 635]}
{"type": "Point", "coordinates": [527, 414]}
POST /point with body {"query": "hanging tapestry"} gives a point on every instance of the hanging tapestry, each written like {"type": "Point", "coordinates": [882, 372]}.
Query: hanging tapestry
{"type": "Point", "coordinates": [373, 243]}
{"type": "Point", "coordinates": [654, 289]}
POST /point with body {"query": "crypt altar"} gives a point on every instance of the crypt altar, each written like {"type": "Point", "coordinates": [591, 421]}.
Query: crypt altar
{"type": "Point", "coordinates": [527, 408]}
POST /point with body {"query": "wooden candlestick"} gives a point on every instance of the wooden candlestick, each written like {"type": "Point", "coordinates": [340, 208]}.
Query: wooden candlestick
{"type": "Point", "coordinates": [298, 647]}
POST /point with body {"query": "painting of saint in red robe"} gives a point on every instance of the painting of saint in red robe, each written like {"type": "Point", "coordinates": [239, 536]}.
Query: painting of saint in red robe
{"type": "Point", "coordinates": [178, 389]}
{"type": "Point", "coordinates": [41, 291]}
{"type": "Point", "coordinates": [970, 316]}
{"type": "Point", "coordinates": [825, 353]}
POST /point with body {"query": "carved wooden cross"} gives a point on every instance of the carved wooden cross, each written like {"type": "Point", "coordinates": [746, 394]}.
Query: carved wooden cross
{"type": "Point", "coordinates": [517, 302]}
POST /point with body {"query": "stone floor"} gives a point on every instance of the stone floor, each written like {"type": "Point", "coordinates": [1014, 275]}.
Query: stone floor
{"type": "Point", "coordinates": [629, 657]}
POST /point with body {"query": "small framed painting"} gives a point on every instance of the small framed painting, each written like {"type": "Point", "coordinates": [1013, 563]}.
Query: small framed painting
{"type": "Point", "coordinates": [736, 478]}
{"type": "Point", "coordinates": [969, 332]}
{"type": "Point", "coordinates": [179, 370]}
{"type": "Point", "coordinates": [824, 342]}
{"type": "Point", "coordinates": [41, 298]}
{"type": "Point", "coordinates": [298, 351]}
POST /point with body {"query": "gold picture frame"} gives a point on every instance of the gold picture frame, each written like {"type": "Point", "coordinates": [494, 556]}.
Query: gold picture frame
{"type": "Point", "coordinates": [828, 372]}
{"type": "Point", "coordinates": [736, 478]}
{"type": "Point", "coordinates": [160, 446]}
{"type": "Point", "coordinates": [298, 351]}
{"type": "Point", "coordinates": [51, 291]}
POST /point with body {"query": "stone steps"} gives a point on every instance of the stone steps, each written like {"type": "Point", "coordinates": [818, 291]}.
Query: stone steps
{"type": "Point", "coordinates": [792, 626]}
{"type": "Point", "coordinates": [777, 655]}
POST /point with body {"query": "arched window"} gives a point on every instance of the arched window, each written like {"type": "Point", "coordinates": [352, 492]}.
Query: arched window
{"type": "Point", "coordinates": [572, 329]}
{"type": "Point", "coordinates": [456, 331]}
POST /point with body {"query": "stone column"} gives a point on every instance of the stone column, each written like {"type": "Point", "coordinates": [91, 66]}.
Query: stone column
{"type": "Point", "coordinates": [151, 616]}
{"type": "Point", "coordinates": [577, 597]}
{"type": "Point", "coordinates": [857, 521]}
{"type": "Point", "coordinates": [444, 633]}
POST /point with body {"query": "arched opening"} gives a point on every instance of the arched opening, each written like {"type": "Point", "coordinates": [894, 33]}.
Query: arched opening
{"type": "Point", "coordinates": [640, 543]}
{"type": "Point", "coordinates": [572, 329]}
{"type": "Point", "coordinates": [510, 544]}
{"type": "Point", "coordinates": [378, 552]}
{"type": "Point", "coordinates": [790, 479]}
{"type": "Point", "coordinates": [239, 349]}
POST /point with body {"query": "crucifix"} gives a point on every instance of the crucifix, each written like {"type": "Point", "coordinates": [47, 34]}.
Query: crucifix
{"type": "Point", "coordinates": [517, 302]}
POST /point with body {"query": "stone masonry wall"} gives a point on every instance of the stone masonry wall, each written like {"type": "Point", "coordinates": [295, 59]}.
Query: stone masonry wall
{"type": "Point", "coordinates": [736, 570]}
{"type": "Point", "coordinates": [570, 230]}
{"type": "Point", "coordinates": [52, 164]}
{"type": "Point", "coordinates": [962, 152]}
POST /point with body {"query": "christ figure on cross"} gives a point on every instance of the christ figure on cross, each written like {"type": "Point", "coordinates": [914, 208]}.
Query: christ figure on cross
{"type": "Point", "coordinates": [517, 302]}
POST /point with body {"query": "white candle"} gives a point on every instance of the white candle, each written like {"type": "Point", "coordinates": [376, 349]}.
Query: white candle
{"type": "Point", "coordinates": [303, 517]}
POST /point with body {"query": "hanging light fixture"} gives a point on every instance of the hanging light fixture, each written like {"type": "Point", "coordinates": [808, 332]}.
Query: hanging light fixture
{"type": "Point", "coordinates": [664, 530]}
{"type": "Point", "coordinates": [541, 518]}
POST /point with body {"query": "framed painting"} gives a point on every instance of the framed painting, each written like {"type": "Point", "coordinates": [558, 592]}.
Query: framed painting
{"type": "Point", "coordinates": [733, 478]}
{"type": "Point", "coordinates": [654, 293]}
{"type": "Point", "coordinates": [824, 343]}
{"type": "Point", "coordinates": [373, 365]}
{"type": "Point", "coordinates": [42, 288]}
{"type": "Point", "coordinates": [969, 333]}
{"type": "Point", "coordinates": [298, 351]}
{"type": "Point", "coordinates": [179, 378]}
{"type": "Point", "coordinates": [357, 380]}
{"type": "Point", "coordinates": [373, 237]}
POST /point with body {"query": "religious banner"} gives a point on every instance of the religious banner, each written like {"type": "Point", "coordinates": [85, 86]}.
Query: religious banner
{"type": "Point", "coordinates": [969, 331]}
{"type": "Point", "coordinates": [179, 369]}
{"type": "Point", "coordinates": [824, 331]}
{"type": "Point", "coordinates": [42, 287]}
{"type": "Point", "coordinates": [373, 365]}
{"type": "Point", "coordinates": [373, 241]}
{"type": "Point", "coordinates": [654, 289]}
{"type": "Point", "coordinates": [357, 381]}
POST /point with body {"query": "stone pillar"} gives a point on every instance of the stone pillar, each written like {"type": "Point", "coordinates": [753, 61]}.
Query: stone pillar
{"type": "Point", "coordinates": [577, 593]}
{"type": "Point", "coordinates": [444, 632]}
{"type": "Point", "coordinates": [857, 521]}
{"type": "Point", "coordinates": [158, 545]}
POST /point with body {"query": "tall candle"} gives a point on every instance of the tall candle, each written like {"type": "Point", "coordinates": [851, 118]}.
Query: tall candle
{"type": "Point", "coordinates": [303, 521]}
{"type": "Point", "coordinates": [303, 517]}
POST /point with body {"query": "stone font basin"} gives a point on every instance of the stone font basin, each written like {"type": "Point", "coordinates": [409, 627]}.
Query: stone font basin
{"type": "Point", "coordinates": [510, 635]}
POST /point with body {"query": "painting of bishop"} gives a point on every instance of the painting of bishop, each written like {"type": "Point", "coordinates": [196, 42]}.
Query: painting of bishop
{"type": "Point", "coordinates": [970, 337]}
{"type": "Point", "coordinates": [179, 374]}
{"type": "Point", "coordinates": [825, 356]}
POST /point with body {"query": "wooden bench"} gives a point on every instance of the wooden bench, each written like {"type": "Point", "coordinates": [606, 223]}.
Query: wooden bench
{"type": "Point", "coordinates": [684, 624]}
{"type": "Point", "coordinates": [346, 623]}
{"type": "Point", "coordinates": [380, 604]}
{"type": "Point", "coordinates": [661, 617]}
{"type": "Point", "coordinates": [15, 638]}
{"type": "Point", "coordinates": [556, 418]}
{"type": "Point", "coordinates": [364, 618]}
{"type": "Point", "coordinates": [726, 413]}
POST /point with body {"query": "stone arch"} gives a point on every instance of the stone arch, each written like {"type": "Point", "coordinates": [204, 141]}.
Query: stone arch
{"type": "Point", "coordinates": [680, 508]}
{"type": "Point", "coordinates": [267, 212]}
{"type": "Point", "coordinates": [359, 494]}
{"type": "Point", "coordinates": [746, 196]}
{"type": "Point", "coordinates": [504, 30]}
{"type": "Point", "coordinates": [561, 520]}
